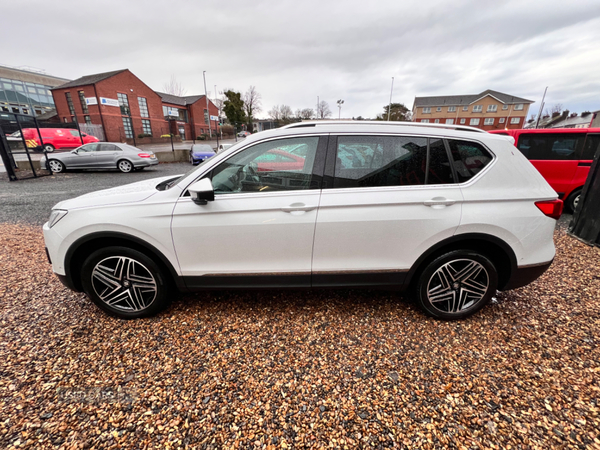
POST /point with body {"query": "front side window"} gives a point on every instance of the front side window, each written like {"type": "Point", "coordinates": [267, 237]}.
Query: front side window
{"type": "Point", "coordinates": [477, 108]}
{"type": "Point", "coordinates": [376, 161]}
{"type": "Point", "coordinates": [87, 148]}
{"type": "Point", "coordinates": [550, 146]}
{"type": "Point", "coordinates": [489, 121]}
{"type": "Point", "coordinates": [469, 158]}
{"type": "Point", "coordinates": [474, 122]}
{"type": "Point", "coordinates": [267, 167]}
{"type": "Point", "coordinates": [426, 110]}
{"type": "Point", "coordinates": [591, 147]}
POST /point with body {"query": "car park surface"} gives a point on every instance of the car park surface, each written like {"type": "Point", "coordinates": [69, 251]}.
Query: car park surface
{"type": "Point", "coordinates": [398, 178]}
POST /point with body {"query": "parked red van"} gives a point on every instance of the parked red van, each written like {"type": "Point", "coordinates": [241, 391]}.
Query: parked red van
{"type": "Point", "coordinates": [562, 155]}
{"type": "Point", "coordinates": [54, 138]}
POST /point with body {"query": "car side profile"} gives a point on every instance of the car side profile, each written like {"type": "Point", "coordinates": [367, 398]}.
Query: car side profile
{"type": "Point", "coordinates": [55, 138]}
{"type": "Point", "coordinates": [102, 155]}
{"type": "Point", "coordinates": [449, 212]}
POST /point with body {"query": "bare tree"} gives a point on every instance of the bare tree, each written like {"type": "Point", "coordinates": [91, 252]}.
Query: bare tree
{"type": "Point", "coordinates": [558, 108]}
{"type": "Point", "coordinates": [306, 113]}
{"type": "Point", "coordinates": [174, 87]}
{"type": "Point", "coordinates": [274, 113]}
{"type": "Point", "coordinates": [323, 110]}
{"type": "Point", "coordinates": [252, 103]}
{"type": "Point", "coordinates": [282, 114]}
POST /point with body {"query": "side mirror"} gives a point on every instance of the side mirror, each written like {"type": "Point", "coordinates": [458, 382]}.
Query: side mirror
{"type": "Point", "coordinates": [74, 151]}
{"type": "Point", "coordinates": [202, 191]}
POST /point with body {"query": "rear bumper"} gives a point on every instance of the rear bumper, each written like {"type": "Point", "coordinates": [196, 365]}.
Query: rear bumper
{"type": "Point", "coordinates": [146, 162]}
{"type": "Point", "coordinates": [525, 275]}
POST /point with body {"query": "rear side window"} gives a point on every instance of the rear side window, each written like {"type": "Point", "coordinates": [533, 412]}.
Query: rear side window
{"type": "Point", "coordinates": [551, 146]}
{"type": "Point", "coordinates": [591, 147]}
{"type": "Point", "coordinates": [469, 158]}
{"type": "Point", "coordinates": [376, 161]}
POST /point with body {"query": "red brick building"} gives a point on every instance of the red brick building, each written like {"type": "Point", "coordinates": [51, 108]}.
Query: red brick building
{"type": "Point", "coordinates": [126, 107]}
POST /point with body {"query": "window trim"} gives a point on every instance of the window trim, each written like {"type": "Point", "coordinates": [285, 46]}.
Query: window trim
{"type": "Point", "coordinates": [477, 108]}
{"type": "Point", "coordinates": [491, 119]}
{"type": "Point", "coordinates": [427, 110]}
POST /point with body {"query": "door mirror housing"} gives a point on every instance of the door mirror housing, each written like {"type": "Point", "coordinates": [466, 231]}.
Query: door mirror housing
{"type": "Point", "coordinates": [202, 191]}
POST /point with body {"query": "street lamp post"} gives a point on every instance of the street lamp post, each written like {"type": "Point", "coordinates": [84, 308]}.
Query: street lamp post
{"type": "Point", "coordinates": [340, 103]}
{"type": "Point", "coordinates": [207, 111]}
{"type": "Point", "coordinates": [390, 107]}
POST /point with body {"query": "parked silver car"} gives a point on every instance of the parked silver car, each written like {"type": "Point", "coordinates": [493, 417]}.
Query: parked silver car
{"type": "Point", "coordinates": [102, 155]}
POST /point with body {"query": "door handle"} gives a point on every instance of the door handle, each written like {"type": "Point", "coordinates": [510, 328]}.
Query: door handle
{"type": "Point", "coordinates": [297, 207]}
{"type": "Point", "coordinates": [439, 201]}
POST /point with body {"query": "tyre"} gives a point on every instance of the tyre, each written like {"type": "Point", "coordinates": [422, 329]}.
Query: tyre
{"type": "Point", "coordinates": [124, 282]}
{"type": "Point", "coordinates": [56, 166]}
{"type": "Point", "coordinates": [125, 166]}
{"type": "Point", "coordinates": [456, 285]}
{"type": "Point", "coordinates": [48, 148]}
{"type": "Point", "coordinates": [572, 201]}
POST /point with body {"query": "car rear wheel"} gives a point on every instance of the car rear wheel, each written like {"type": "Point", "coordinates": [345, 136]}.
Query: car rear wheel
{"type": "Point", "coordinates": [456, 285]}
{"type": "Point", "coordinates": [124, 282]}
{"type": "Point", "coordinates": [125, 166]}
{"type": "Point", "coordinates": [56, 166]}
{"type": "Point", "coordinates": [48, 148]}
{"type": "Point", "coordinates": [573, 200]}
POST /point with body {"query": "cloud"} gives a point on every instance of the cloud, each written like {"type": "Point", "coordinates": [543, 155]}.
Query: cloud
{"type": "Point", "coordinates": [295, 51]}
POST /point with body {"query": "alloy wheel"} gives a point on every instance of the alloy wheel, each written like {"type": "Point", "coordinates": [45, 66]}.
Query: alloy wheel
{"type": "Point", "coordinates": [457, 285]}
{"type": "Point", "coordinates": [55, 166]}
{"type": "Point", "coordinates": [125, 166]}
{"type": "Point", "coordinates": [124, 283]}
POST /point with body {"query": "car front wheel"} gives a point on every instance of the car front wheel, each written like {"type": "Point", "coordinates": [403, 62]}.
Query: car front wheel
{"type": "Point", "coordinates": [124, 282]}
{"type": "Point", "coordinates": [456, 285]}
{"type": "Point", "coordinates": [125, 166]}
{"type": "Point", "coordinates": [56, 166]}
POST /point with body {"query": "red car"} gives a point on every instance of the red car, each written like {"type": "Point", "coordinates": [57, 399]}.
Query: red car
{"type": "Point", "coordinates": [277, 160]}
{"type": "Point", "coordinates": [562, 155]}
{"type": "Point", "coordinates": [54, 138]}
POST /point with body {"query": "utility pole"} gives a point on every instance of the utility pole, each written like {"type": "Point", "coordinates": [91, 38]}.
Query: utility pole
{"type": "Point", "coordinates": [206, 97]}
{"type": "Point", "coordinates": [541, 106]}
{"type": "Point", "coordinates": [390, 107]}
{"type": "Point", "coordinates": [318, 103]}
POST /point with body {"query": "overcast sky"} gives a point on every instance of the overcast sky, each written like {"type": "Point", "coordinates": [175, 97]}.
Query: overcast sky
{"type": "Point", "coordinates": [294, 51]}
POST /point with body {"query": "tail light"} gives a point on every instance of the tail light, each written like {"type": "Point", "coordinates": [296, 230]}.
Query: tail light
{"type": "Point", "coordinates": [144, 155]}
{"type": "Point", "coordinates": [551, 208]}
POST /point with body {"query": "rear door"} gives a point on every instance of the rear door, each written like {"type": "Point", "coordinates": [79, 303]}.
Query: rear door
{"type": "Point", "coordinates": [106, 155]}
{"type": "Point", "coordinates": [389, 198]}
{"type": "Point", "coordinates": [555, 155]}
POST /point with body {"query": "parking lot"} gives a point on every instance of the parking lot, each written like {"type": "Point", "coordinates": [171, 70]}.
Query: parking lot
{"type": "Point", "coordinates": [288, 369]}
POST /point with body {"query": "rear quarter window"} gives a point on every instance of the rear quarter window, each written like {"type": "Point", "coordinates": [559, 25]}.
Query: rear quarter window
{"type": "Point", "coordinates": [469, 158]}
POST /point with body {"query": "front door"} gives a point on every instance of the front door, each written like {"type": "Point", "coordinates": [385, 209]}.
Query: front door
{"type": "Point", "coordinates": [392, 198]}
{"type": "Point", "coordinates": [259, 229]}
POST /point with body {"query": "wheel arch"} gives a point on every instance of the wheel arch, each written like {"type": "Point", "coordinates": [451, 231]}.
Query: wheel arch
{"type": "Point", "coordinates": [498, 251]}
{"type": "Point", "coordinates": [86, 245]}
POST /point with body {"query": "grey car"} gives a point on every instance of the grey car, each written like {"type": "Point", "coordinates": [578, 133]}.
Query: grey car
{"type": "Point", "coordinates": [102, 155]}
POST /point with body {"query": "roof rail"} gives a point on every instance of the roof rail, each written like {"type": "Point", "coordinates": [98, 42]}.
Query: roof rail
{"type": "Point", "coordinates": [382, 122]}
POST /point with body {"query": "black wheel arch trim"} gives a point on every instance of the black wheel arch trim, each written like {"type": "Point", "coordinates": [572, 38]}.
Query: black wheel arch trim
{"type": "Point", "coordinates": [458, 238]}
{"type": "Point", "coordinates": [68, 277]}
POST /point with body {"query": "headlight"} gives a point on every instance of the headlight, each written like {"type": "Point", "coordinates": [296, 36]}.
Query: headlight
{"type": "Point", "coordinates": [55, 216]}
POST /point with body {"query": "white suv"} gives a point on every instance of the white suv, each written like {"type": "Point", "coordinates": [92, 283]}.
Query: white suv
{"type": "Point", "coordinates": [450, 211]}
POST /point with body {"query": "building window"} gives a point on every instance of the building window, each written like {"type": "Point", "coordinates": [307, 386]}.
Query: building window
{"type": "Point", "coordinates": [505, 107]}
{"type": "Point", "coordinates": [492, 108]}
{"type": "Point", "coordinates": [83, 103]}
{"type": "Point", "coordinates": [465, 108]}
{"type": "Point", "coordinates": [70, 103]}
{"type": "Point", "coordinates": [488, 121]}
{"type": "Point", "coordinates": [426, 110]}
{"type": "Point", "coordinates": [124, 104]}
{"type": "Point", "coordinates": [206, 116]}
{"type": "Point", "coordinates": [146, 128]}
{"type": "Point", "coordinates": [65, 120]}
{"type": "Point", "coordinates": [437, 120]}
{"type": "Point", "coordinates": [451, 108]}
{"type": "Point", "coordinates": [171, 113]}
{"type": "Point", "coordinates": [501, 120]}
{"type": "Point", "coordinates": [462, 121]}
{"type": "Point", "coordinates": [439, 109]}
{"type": "Point", "coordinates": [515, 120]}
{"type": "Point", "coordinates": [450, 121]}
{"type": "Point", "coordinates": [87, 120]}
{"type": "Point", "coordinates": [474, 122]}
{"type": "Point", "coordinates": [128, 128]}
{"type": "Point", "coordinates": [519, 107]}
{"type": "Point", "coordinates": [424, 120]}
{"type": "Point", "coordinates": [477, 108]}
{"type": "Point", "coordinates": [143, 107]}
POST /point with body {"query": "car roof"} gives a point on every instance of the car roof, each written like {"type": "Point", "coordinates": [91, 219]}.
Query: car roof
{"type": "Point", "coordinates": [547, 130]}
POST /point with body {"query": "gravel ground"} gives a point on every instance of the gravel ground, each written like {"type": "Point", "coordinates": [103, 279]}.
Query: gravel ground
{"type": "Point", "coordinates": [298, 369]}
{"type": "Point", "coordinates": [30, 201]}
